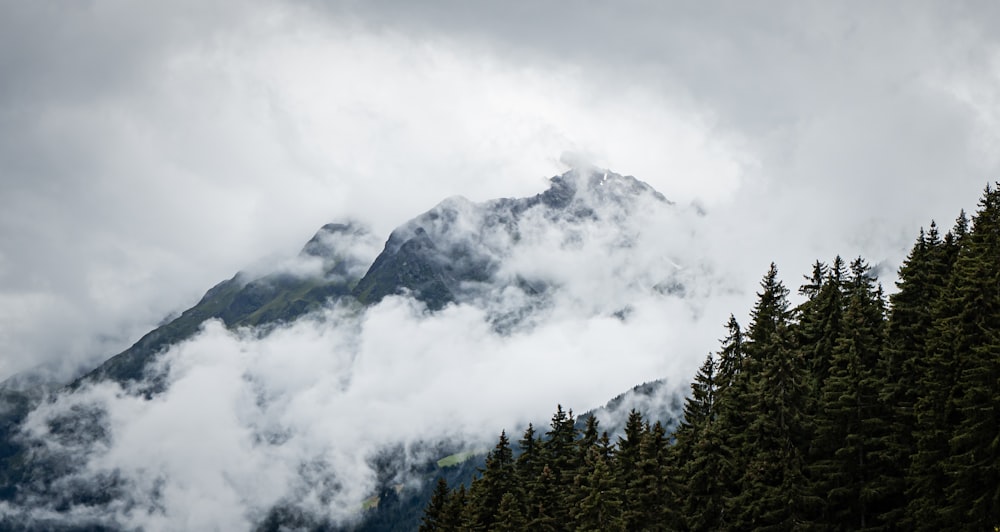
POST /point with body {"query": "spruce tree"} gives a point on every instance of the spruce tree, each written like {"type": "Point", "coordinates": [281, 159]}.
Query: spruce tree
{"type": "Point", "coordinates": [820, 322]}
{"type": "Point", "coordinates": [546, 510]}
{"type": "Point", "coordinates": [627, 452]}
{"type": "Point", "coordinates": [509, 517]}
{"type": "Point", "coordinates": [847, 468]}
{"type": "Point", "coordinates": [600, 503]}
{"type": "Point", "coordinates": [434, 514]}
{"type": "Point", "coordinates": [732, 418]}
{"type": "Point", "coordinates": [648, 493]}
{"type": "Point", "coordinates": [935, 414]}
{"type": "Point", "coordinates": [528, 467]}
{"type": "Point", "coordinates": [974, 465]}
{"type": "Point", "coordinates": [922, 279]}
{"type": "Point", "coordinates": [496, 480]}
{"type": "Point", "coordinates": [772, 488]}
{"type": "Point", "coordinates": [698, 457]}
{"type": "Point", "coordinates": [454, 511]}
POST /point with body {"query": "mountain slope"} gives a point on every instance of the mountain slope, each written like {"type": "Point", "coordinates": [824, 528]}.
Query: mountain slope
{"type": "Point", "coordinates": [277, 297]}
{"type": "Point", "coordinates": [576, 251]}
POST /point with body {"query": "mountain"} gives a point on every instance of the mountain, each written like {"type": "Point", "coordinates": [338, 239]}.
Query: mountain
{"type": "Point", "coordinates": [580, 245]}
{"type": "Point", "coordinates": [334, 262]}
{"type": "Point", "coordinates": [447, 253]}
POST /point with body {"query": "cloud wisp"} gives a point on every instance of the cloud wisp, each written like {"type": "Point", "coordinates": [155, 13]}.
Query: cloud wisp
{"type": "Point", "coordinates": [296, 414]}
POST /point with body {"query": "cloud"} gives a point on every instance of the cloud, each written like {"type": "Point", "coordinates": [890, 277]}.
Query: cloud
{"type": "Point", "coordinates": [135, 176]}
{"type": "Point", "coordinates": [214, 145]}
{"type": "Point", "coordinates": [296, 415]}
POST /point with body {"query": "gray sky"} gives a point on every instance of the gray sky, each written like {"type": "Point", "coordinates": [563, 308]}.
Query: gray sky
{"type": "Point", "coordinates": [149, 151]}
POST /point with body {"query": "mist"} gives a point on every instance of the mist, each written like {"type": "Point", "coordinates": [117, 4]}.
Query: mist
{"type": "Point", "coordinates": [295, 415]}
{"type": "Point", "coordinates": [147, 153]}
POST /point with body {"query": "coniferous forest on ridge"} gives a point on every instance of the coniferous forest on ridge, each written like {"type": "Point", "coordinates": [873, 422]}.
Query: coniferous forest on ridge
{"type": "Point", "coordinates": [851, 411]}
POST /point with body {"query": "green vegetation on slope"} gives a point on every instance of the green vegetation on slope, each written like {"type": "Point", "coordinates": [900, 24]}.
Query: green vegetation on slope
{"type": "Point", "coordinates": [847, 412]}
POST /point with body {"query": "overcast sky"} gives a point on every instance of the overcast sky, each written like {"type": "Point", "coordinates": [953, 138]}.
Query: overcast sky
{"type": "Point", "coordinates": [148, 151]}
{"type": "Point", "coordinates": [151, 150]}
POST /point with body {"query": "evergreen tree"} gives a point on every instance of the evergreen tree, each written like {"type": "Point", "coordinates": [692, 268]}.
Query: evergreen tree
{"type": "Point", "coordinates": [649, 491]}
{"type": "Point", "coordinates": [496, 480]}
{"type": "Point", "coordinates": [847, 472]}
{"type": "Point", "coordinates": [627, 453]}
{"type": "Point", "coordinates": [453, 514]}
{"type": "Point", "coordinates": [731, 356]}
{"type": "Point", "coordinates": [772, 489]}
{"type": "Point", "coordinates": [922, 278]}
{"type": "Point", "coordinates": [560, 448]}
{"type": "Point", "coordinates": [600, 504]}
{"type": "Point", "coordinates": [528, 467]}
{"type": "Point", "coordinates": [732, 421]}
{"type": "Point", "coordinates": [935, 414]}
{"type": "Point", "coordinates": [820, 323]}
{"type": "Point", "coordinates": [589, 439]}
{"type": "Point", "coordinates": [706, 482]}
{"type": "Point", "coordinates": [509, 516]}
{"type": "Point", "coordinates": [561, 458]}
{"type": "Point", "coordinates": [974, 462]}
{"type": "Point", "coordinates": [546, 510]}
{"type": "Point", "coordinates": [698, 457]}
{"type": "Point", "coordinates": [434, 514]}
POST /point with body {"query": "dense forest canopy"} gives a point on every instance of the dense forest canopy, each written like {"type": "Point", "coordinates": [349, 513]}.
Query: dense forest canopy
{"type": "Point", "coordinates": [850, 411]}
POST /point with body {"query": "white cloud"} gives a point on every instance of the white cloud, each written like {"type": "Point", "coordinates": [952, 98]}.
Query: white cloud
{"type": "Point", "coordinates": [250, 420]}
{"type": "Point", "coordinates": [134, 177]}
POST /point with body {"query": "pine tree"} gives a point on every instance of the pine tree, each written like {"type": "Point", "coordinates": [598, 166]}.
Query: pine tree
{"type": "Point", "coordinates": [922, 278]}
{"type": "Point", "coordinates": [546, 510]}
{"type": "Point", "coordinates": [732, 419]}
{"type": "Point", "coordinates": [731, 356]}
{"type": "Point", "coordinates": [706, 478]}
{"type": "Point", "coordinates": [528, 467]}
{"type": "Point", "coordinates": [434, 514]}
{"type": "Point", "coordinates": [454, 511]}
{"type": "Point", "coordinates": [509, 517]}
{"type": "Point", "coordinates": [698, 457]}
{"type": "Point", "coordinates": [600, 503]}
{"type": "Point", "coordinates": [821, 322]}
{"type": "Point", "coordinates": [496, 480]}
{"type": "Point", "coordinates": [847, 471]}
{"type": "Point", "coordinates": [589, 439]}
{"type": "Point", "coordinates": [935, 414]}
{"type": "Point", "coordinates": [648, 493]}
{"type": "Point", "coordinates": [974, 464]}
{"type": "Point", "coordinates": [627, 452]}
{"type": "Point", "coordinates": [772, 489]}
{"type": "Point", "coordinates": [561, 458]}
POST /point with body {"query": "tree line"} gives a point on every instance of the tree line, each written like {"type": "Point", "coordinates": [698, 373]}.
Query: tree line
{"type": "Point", "coordinates": [849, 411]}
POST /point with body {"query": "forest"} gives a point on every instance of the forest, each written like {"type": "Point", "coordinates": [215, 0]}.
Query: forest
{"type": "Point", "coordinates": [852, 410]}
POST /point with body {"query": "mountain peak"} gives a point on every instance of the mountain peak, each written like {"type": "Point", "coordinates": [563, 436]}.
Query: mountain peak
{"type": "Point", "coordinates": [458, 246]}
{"type": "Point", "coordinates": [590, 184]}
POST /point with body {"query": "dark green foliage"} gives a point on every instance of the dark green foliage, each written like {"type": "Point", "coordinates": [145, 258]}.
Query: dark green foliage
{"type": "Point", "coordinates": [847, 412]}
{"type": "Point", "coordinates": [509, 516]}
{"type": "Point", "coordinates": [453, 516]}
{"type": "Point", "coordinates": [600, 503]}
{"type": "Point", "coordinates": [699, 457]}
{"type": "Point", "coordinates": [973, 297]}
{"type": "Point", "coordinates": [846, 465]}
{"type": "Point", "coordinates": [772, 487]}
{"type": "Point", "coordinates": [486, 492]}
{"type": "Point", "coordinates": [434, 514]}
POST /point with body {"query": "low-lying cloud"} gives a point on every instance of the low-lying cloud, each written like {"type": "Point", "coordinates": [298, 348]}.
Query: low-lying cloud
{"type": "Point", "coordinates": [294, 415]}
